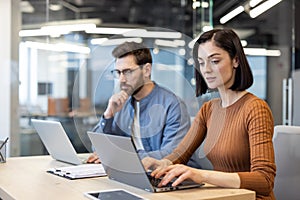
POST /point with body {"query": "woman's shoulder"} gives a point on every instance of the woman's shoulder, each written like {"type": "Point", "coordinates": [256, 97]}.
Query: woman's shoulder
{"type": "Point", "coordinates": [255, 106]}
{"type": "Point", "coordinates": [252, 100]}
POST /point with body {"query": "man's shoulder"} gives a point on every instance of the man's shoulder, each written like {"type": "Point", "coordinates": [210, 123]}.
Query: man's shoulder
{"type": "Point", "coordinates": [163, 90]}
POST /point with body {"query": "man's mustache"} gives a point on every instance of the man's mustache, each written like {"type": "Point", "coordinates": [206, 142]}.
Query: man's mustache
{"type": "Point", "coordinates": [131, 91]}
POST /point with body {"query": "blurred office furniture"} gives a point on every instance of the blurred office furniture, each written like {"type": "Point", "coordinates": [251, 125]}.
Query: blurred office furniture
{"type": "Point", "coordinates": [85, 105]}
{"type": "Point", "coordinates": [76, 122]}
{"type": "Point", "coordinates": [58, 106]}
{"type": "Point", "coordinates": [30, 143]}
{"type": "Point", "coordinates": [286, 141]}
{"type": "Point", "coordinates": [84, 109]}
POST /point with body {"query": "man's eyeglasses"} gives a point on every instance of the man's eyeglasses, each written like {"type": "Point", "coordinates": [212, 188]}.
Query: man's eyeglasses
{"type": "Point", "coordinates": [126, 72]}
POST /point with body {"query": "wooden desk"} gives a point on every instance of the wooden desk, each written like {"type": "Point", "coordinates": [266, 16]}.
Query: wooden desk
{"type": "Point", "coordinates": [26, 178]}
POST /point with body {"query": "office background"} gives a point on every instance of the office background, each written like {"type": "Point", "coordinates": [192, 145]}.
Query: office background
{"type": "Point", "coordinates": [53, 73]}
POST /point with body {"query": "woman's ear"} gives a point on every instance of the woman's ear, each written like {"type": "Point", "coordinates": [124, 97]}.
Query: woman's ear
{"type": "Point", "coordinates": [235, 63]}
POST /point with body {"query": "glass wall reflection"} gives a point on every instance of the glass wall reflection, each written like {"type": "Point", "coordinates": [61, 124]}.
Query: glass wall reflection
{"type": "Point", "coordinates": [65, 56]}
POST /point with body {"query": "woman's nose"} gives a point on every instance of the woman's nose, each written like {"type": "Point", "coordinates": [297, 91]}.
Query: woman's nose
{"type": "Point", "coordinates": [206, 67]}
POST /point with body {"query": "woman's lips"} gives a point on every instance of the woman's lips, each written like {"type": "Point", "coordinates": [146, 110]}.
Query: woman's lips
{"type": "Point", "coordinates": [210, 79]}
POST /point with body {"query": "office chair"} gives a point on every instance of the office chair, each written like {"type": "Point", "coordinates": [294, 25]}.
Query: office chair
{"type": "Point", "coordinates": [286, 142]}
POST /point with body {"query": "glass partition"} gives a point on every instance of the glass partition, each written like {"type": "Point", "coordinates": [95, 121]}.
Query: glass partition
{"type": "Point", "coordinates": [65, 54]}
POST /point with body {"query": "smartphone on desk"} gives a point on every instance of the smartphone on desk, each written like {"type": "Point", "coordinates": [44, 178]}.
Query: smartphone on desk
{"type": "Point", "coordinates": [114, 194]}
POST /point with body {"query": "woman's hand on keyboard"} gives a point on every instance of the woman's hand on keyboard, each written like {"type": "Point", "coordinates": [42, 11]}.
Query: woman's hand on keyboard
{"type": "Point", "coordinates": [177, 174]}
{"type": "Point", "coordinates": [154, 165]}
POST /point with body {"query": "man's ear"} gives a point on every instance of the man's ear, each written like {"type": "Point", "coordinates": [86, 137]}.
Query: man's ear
{"type": "Point", "coordinates": [148, 68]}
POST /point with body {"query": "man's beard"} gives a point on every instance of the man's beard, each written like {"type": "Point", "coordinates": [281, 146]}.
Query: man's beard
{"type": "Point", "coordinates": [131, 91]}
{"type": "Point", "coordinates": [137, 90]}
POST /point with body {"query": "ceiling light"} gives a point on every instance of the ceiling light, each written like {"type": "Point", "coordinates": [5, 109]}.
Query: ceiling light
{"type": "Point", "coordinates": [55, 31]}
{"type": "Point", "coordinates": [118, 41]}
{"type": "Point", "coordinates": [206, 28]}
{"type": "Point", "coordinates": [55, 7]}
{"type": "Point", "coordinates": [97, 41]}
{"type": "Point", "coordinates": [169, 43]}
{"type": "Point", "coordinates": [192, 43]}
{"type": "Point", "coordinates": [182, 52]}
{"type": "Point", "coordinates": [196, 4]}
{"type": "Point", "coordinates": [39, 32]}
{"type": "Point", "coordinates": [204, 4]}
{"type": "Point", "coordinates": [69, 27]}
{"type": "Point", "coordinates": [26, 7]}
{"type": "Point", "coordinates": [180, 42]}
{"type": "Point", "coordinates": [263, 7]}
{"type": "Point", "coordinates": [58, 28]}
{"type": "Point", "coordinates": [261, 52]}
{"type": "Point", "coordinates": [244, 43]}
{"type": "Point", "coordinates": [95, 21]}
{"type": "Point", "coordinates": [152, 34]}
{"type": "Point", "coordinates": [130, 32]}
{"type": "Point", "coordinates": [60, 47]}
{"type": "Point", "coordinates": [106, 30]}
{"type": "Point", "coordinates": [232, 14]}
{"type": "Point", "coordinates": [254, 3]}
{"type": "Point", "coordinates": [155, 50]}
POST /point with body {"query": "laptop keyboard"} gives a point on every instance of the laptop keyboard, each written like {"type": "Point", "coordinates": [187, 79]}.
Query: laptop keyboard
{"type": "Point", "coordinates": [155, 181]}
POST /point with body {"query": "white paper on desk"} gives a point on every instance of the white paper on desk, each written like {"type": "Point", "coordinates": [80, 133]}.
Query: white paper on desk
{"type": "Point", "coordinates": [79, 171]}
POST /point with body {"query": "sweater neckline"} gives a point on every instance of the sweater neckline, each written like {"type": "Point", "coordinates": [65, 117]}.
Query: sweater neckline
{"type": "Point", "coordinates": [234, 104]}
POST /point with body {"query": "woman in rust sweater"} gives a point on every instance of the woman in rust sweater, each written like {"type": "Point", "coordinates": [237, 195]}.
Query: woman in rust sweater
{"type": "Point", "coordinates": [237, 127]}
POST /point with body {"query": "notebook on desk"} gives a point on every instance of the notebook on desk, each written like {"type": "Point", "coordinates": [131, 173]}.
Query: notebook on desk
{"type": "Point", "coordinates": [78, 171]}
{"type": "Point", "coordinates": [122, 163]}
{"type": "Point", "coordinates": [57, 142]}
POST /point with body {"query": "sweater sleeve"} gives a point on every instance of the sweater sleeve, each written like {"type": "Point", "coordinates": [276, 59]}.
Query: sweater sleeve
{"type": "Point", "coordinates": [260, 129]}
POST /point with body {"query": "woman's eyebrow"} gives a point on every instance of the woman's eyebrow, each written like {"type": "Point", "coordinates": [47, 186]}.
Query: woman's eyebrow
{"type": "Point", "coordinates": [210, 56]}
{"type": "Point", "coordinates": [214, 54]}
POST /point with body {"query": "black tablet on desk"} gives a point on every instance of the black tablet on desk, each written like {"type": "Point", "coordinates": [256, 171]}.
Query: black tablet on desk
{"type": "Point", "coordinates": [112, 195]}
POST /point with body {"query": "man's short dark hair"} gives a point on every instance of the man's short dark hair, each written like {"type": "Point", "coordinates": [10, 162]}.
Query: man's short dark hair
{"type": "Point", "coordinates": [138, 50]}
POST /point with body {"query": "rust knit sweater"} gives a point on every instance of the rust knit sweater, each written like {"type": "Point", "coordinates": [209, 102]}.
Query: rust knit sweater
{"type": "Point", "coordinates": [238, 138]}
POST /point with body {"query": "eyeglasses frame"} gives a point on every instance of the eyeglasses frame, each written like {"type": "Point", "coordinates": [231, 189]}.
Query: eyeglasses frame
{"type": "Point", "coordinates": [126, 72]}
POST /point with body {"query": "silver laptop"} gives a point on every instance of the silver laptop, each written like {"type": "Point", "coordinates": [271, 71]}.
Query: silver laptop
{"type": "Point", "coordinates": [122, 163]}
{"type": "Point", "coordinates": [57, 141]}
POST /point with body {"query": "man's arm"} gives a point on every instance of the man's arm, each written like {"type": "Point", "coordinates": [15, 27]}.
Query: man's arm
{"type": "Point", "coordinates": [115, 104]}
